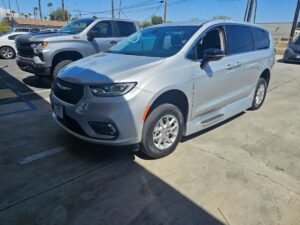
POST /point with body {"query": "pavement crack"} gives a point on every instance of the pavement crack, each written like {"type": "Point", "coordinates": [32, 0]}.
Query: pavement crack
{"type": "Point", "coordinates": [251, 170]}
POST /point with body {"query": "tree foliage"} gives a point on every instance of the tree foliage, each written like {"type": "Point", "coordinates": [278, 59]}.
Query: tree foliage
{"type": "Point", "coordinates": [5, 25]}
{"type": "Point", "coordinates": [221, 17]}
{"type": "Point", "coordinates": [156, 20]}
{"type": "Point", "coordinates": [60, 14]}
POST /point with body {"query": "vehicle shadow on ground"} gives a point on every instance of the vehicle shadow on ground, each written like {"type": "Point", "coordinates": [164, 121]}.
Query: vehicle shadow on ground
{"type": "Point", "coordinates": [83, 184]}
{"type": "Point", "coordinates": [38, 82]}
{"type": "Point", "coordinates": [281, 61]}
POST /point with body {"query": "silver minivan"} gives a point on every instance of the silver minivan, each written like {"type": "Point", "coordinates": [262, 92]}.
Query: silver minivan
{"type": "Point", "coordinates": [164, 82]}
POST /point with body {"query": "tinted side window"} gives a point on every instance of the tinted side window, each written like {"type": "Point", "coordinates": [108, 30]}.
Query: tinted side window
{"type": "Point", "coordinates": [125, 28]}
{"type": "Point", "coordinates": [22, 30]}
{"type": "Point", "coordinates": [261, 39]}
{"type": "Point", "coordinates": [13, 37]}
{"type": "Point", "coordinates": [239, 39]}
{"type": "Point", "coordinates": [104, 29]}
{"type": "Point", "coordinates": [212, 39]}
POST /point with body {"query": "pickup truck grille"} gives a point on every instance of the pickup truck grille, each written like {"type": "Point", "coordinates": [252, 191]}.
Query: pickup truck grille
{"type": "Point", "coordinates": [67, 92]}
{"type": "Point", "coordinates": [24, 49]}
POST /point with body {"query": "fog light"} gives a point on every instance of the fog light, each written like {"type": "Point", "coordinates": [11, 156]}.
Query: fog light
{"type": "Point", "coordinates": [104, 128]}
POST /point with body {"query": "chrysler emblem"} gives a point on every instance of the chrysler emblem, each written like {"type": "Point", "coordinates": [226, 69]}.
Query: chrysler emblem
{"type": "Point", "coordinates": [63, 87]}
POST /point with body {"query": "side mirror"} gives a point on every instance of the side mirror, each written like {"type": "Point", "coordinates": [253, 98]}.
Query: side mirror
{"type": "Point", "coordinates": [212, 54]}
{"type": "Point", "coordinates": [92, 34]}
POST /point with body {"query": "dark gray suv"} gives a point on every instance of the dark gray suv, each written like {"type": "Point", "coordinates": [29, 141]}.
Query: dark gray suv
{"type": "Point", "coordinates": [292, 53]}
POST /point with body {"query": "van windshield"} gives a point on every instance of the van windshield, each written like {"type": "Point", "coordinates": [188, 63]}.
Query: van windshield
{"type": "Point", "coordinates": [297, 40]}
{"type": "Point", "coordinates": [76, 26]}
{"type": "Point", "coordinates": [155, 41]}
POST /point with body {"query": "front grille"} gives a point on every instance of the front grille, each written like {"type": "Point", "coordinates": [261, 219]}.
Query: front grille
{"type": "Point", "coordinates": [297, 52]}
{"type": "Point", "coordinates": [67, 92]}
{"type": "Point", "coordinates": [24, 49]}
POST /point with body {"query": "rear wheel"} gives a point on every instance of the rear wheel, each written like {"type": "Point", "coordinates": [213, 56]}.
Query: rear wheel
{"type": "Point", "coordinates": [59, 66]}
{"type": "Point", "coordinates": [260, 94]}
{"type": "Point", "coordinates": [7, 52]}
{"type": "Point", "coordinates": [162, 131]}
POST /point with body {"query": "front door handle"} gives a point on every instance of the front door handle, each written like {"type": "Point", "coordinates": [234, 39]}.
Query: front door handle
{"type": "Point", "coordinates": [232, 66]}
{"type": "Point", "coordinates": [114, 42]}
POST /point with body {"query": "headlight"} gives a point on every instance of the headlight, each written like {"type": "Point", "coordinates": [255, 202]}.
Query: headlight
{"type": "Point", "coordinates": [42, 44]}
{"type": "Point", "coordinates": [116, 89]}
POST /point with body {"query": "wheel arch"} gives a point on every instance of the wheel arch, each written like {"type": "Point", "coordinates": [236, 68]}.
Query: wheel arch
{"type": "Point", "coordinates": [173, 96]}
{"type": "Point", "coordinates": [66, 55]}
{"type": "Point", "coordinates": [266, 74]}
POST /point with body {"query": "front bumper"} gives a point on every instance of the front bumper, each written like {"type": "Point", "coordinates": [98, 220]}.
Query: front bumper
{"type": "Point", "coordinates": [124, 112]}
{"type": "Point", "coordinates": [33, 65]}
{"type": "Point", "coordinates": [291, 56]}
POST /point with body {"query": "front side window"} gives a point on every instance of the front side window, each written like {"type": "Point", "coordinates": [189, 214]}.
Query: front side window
{"type": "Point", "coordinates": [103, 29]}
{"type": "Point", "coordinates": [155, 41]}
{"type": "Point", "coordinates": [13, 37]}
{"type": "Point", "coordinates": [77, 26]}
{"type": "Point", "coordinates": [296, 41]}
{"type": "Point", "coordinates": [212, 39]}
{"type": "Point", "coordinates": [22, 30]}
{"type": "Point", "coordinates": [261, 39]}
{"type": "Point", "coordinates": [125, 28]}
{"type": "Point", "coordinates": [239, 39]}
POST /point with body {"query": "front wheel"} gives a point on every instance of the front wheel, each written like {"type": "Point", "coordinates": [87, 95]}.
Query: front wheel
{"type": "Point", "coordinates": [59, 66]}
{"type": "Point", "coordinates": [260, 94]}
{"type": "Point", "coordinates": [162, 131]}
{"type": "Point", "coordinates": [7, 52]}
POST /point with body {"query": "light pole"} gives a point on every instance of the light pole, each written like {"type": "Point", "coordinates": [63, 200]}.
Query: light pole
{"type": "Point", "coordinates": [112, 9]}
{"type": "Point", "coordinates": [295, 21]}
{"type": "Point", "coordinates": [165, 11]}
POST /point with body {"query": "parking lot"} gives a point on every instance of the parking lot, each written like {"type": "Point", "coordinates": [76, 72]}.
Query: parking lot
{"type": "Point", "coordinates": [242, 172]}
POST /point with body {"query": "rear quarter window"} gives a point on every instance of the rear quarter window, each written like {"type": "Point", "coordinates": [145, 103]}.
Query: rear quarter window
{"type": "Point", "coordinates": [239, 39]}
{"type": "Point", "coordinates": [261, 39]}
{"type": "Point", "coordinates": [125, 28]}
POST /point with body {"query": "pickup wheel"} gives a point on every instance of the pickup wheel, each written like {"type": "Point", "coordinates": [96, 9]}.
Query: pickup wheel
{"type": "Point", "coordinates": [59, 66]}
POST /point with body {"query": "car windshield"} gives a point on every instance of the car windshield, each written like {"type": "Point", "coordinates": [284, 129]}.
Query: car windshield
{"type": "Point", "coordinates": [155, 41]}
{"type": "Point", "coordinates": [76, 26]}
{"type": "Point", "coordinates": [297, 40]}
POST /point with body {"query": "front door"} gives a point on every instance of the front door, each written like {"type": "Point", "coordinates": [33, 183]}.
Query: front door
{"type": "Point", "coordinates": [213, 84]}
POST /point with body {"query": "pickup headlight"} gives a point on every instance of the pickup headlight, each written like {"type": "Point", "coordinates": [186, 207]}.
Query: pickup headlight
{"type": "Point", "coordinates": [41, 44]}
{"type": "Point", "coordinates": [116, 89]}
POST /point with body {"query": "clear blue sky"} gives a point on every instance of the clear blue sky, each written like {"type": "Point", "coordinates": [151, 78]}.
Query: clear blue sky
{"type": "Point", "coordinates": [268, 10]}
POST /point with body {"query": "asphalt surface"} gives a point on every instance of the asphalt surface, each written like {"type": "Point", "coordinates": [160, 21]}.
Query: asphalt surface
{"type": "Point", "coordinates": [244, 171]}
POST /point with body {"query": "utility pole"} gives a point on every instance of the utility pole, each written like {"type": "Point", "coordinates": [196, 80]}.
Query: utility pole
{"type": "Point", "coordinates": [295, 21]}
{"type": "Point", "coordinates": [112, 9]}
{"type": "Point", "coordinates": [17, 3]}
{"type": "Point", "coordinates": [165, 11]}
{"type": "Point", "coordinates": [249, 16]}
{"type": "Point", "coordinates": [120, 5]}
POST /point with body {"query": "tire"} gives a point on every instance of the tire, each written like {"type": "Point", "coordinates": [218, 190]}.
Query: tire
{"type": "Point", "coordinates": [260, 94]}
{"type": "Point", "coordinates": [59, 66]}
{"type": "Point", "coordinates": [7, 52]}
{"type": "Point", "coordinates": [157, 119]}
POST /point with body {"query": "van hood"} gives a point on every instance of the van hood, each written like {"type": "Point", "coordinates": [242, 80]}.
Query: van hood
{"type": "Point", "coordinates": [294, 46]}
{"type": "Point", "coordinates": [41, 36]}
{"type": "Point", "coordinates": [107, 68]}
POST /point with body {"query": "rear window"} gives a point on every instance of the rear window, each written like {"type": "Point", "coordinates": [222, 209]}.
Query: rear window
{"type": "Point", "coordinates": [239, 39]}
{"type": "Point", "coordinates": [125, 28]}
{"type": "Point", "coordinates": [261, 39]}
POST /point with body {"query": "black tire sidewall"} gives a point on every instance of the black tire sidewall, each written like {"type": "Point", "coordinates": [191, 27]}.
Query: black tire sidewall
{"type": "Point", "coordinates": [13, 51]}
{"type": "Point", "coordinates": [59, 66]}
{"type": "Point", "coordinates": [147, 145]}
{"type": "Point", "coordinates": [264, 82]}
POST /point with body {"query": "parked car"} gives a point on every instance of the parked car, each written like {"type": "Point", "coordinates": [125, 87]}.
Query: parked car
{"type": "Point", "coordinates": [292, 53]}
{"type": "Point", "coordinates": [165, 82]}
{"type": "Point", "coordinates": [44, 54]}
{"type": "Point", "coordinates": [23, 29]}
{"type": "Point", "coordinates": [8, 46]}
